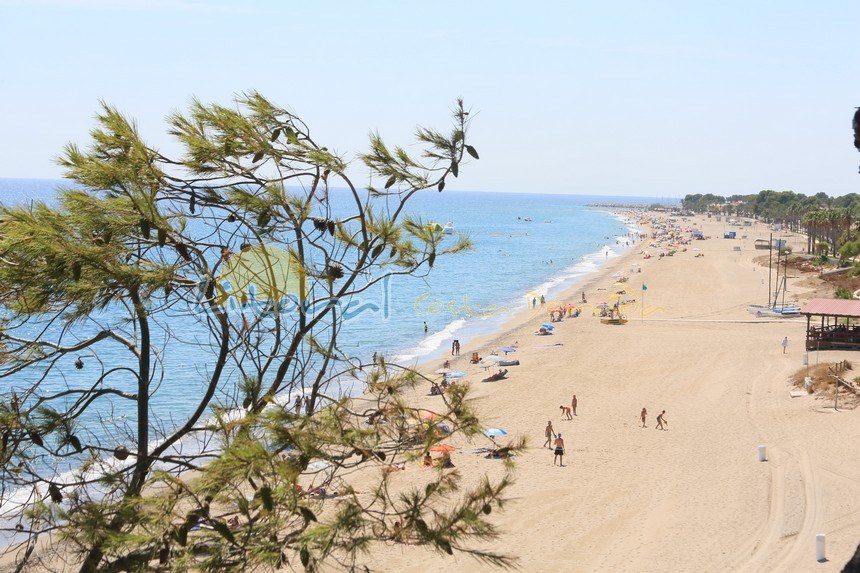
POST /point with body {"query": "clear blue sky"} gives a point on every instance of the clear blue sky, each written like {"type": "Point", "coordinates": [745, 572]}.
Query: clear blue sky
{"type": "Point", "coordinates": [611, 98]}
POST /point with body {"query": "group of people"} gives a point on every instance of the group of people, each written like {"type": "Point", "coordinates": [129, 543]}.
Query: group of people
{"type": "Point", "coordinates": [555, 443]}
{"type": "Point", "coordinates": [443, 462]}
{"type": "Point", "coordinates": [303, 401]}
{"type": "Point", "coordinates": [568, 412]}
{"type": "Point", "coordinates": [662, 424]}
{"type": "Point", "coordinates": [455, 348]}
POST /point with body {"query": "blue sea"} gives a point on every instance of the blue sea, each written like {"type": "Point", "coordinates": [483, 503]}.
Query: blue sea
{"type": "Point", "coordinates": [525, 245]}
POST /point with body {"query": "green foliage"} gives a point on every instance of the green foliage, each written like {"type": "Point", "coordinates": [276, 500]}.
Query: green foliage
{"type": "Point", "coordinates": [147, 237]}
{"type": "Point", "coordinates": [849, 250]}
{"type": "Point", "coordinates": [842, 292]}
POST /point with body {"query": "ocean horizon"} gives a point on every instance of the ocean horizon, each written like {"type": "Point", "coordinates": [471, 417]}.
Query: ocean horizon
{"type": "Point", "coordinates": [526, 245]}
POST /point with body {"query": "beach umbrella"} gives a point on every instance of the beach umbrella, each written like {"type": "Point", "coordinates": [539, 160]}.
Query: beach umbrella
{"type": "Point", "coordinates": [491, 359]}
{"type": "Point", "coordinates": [443, 448]}
{"type": "Point", "coordinates": [507, 349]}
{"type": "Point", "coordinates": [493, 432]}
{"type": "Point", "coordinates": [616, 275]}
{"type": "Point", "coordinates": [455, 374]}
{"type": "Point", "coordinates": [618, 284]}
{"type": "Point", "coordinates": [444, 371]}
{"type": "Point", "coordinates": [615, 295]}
{"type": "Point", "coordinates": [427, 415]}
{"type": "Point", "coordinates": [547, 326]}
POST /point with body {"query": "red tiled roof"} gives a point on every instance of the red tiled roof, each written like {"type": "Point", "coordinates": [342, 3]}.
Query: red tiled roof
{"type": "Point", "coordinates": [832, 307]}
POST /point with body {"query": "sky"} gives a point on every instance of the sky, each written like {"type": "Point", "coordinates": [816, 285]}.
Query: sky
{"type": "Point", "coordinates": [604, 98]}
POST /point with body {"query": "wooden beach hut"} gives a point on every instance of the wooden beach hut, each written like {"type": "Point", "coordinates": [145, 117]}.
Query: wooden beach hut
{"type": "Point", "coordinates": [832, 323]}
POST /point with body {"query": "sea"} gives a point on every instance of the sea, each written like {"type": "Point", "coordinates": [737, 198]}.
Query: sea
{"type": "Point", "coordinates": [525, 246]}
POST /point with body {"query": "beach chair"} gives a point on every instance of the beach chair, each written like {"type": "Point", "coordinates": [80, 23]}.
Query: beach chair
{"type": "Point", "coordinates": [475, 358]}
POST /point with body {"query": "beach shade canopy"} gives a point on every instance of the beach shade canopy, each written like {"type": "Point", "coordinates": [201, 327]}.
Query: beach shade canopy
{"type": "Point", "coordinates": [491, 359]}
{"type": "Point", "coordinates": [455, 374]}
{"type": "Point", "coordinates": [618, 284]}
{"type": "Point", "coordinates": [507, 349]}
{"type": "Point", "coordinates": [547, 326]}
{"type": "Point", "coordinates": [635, 264]}
{"type": "Point", "coordinates": [493, 432]}
{"type": "Point", "coordinates": [444, 371]}
{"type": "Point", "coordinates": [443, 448]}
{"type": "Point", "coordinates": [615, 295]}
{"type": "Point", "coordinates": [616, 275]}
{"type": "Point", "coordinates": [427, 415]}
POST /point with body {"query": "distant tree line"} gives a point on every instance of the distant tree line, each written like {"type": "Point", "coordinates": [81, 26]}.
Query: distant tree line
{"type": "Point", "coordinates": [830, 223]}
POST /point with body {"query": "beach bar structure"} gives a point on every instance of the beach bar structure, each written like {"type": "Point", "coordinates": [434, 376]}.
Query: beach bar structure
{"type": "Point", "coordinates": [832, 323]}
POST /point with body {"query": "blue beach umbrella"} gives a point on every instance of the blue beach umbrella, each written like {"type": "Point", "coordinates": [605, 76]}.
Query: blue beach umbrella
{"type": "Point", "coordinates": [455, 374]}
{"type": "Point", "coordinates": [493, 432]}
{"type": "Point", "coordinates": [507, 349]}
{"type": "Point", "coordinates": [547, 326]}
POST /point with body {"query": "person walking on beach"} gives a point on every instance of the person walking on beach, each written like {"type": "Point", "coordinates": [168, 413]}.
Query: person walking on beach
{"type": "Point", "coordinates": [661, 420]}
{"type": "Point", "coordinates": [573, 405]}
{"type": "Point", "coordinates": [457, 347]}
{"type": "Point", "coordinates": [549, 433]}
{"type": "Point", "coordinates": [644, 415]}
{"type": "Point", "coordinates": [558, 454]}
{"type": "Point", "coordinates": [534, 302]}
{"type": "Point", "coordinates": [784, 344]}
{"type": "Point", "coordinates": [453, 347]}
{"type": "Point", "coordinates": [542, 301]}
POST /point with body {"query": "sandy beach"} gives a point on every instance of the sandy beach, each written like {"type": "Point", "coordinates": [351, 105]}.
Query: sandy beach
{"type": "Point", "coordinates": [695, 497]}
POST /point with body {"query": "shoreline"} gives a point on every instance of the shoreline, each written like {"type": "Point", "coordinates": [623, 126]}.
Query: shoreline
{"type": "Point", "coordinates": [564, 284]}
{"type": "Point", "coordinates": [694, 497]}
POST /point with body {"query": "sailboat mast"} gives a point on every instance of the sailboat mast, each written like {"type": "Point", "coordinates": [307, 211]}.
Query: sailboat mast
{"type": "Point", "coordinates": [769, 267]}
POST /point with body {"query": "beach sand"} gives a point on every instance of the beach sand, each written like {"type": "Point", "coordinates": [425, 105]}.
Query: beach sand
{"type": "Point", "coordinates": [695, 497]}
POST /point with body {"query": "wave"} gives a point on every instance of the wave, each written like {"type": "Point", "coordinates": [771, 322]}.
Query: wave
{"type": "Point", "coordinates": [431, 343]}
{"type": "Point", "coordinates": [467, 330]}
